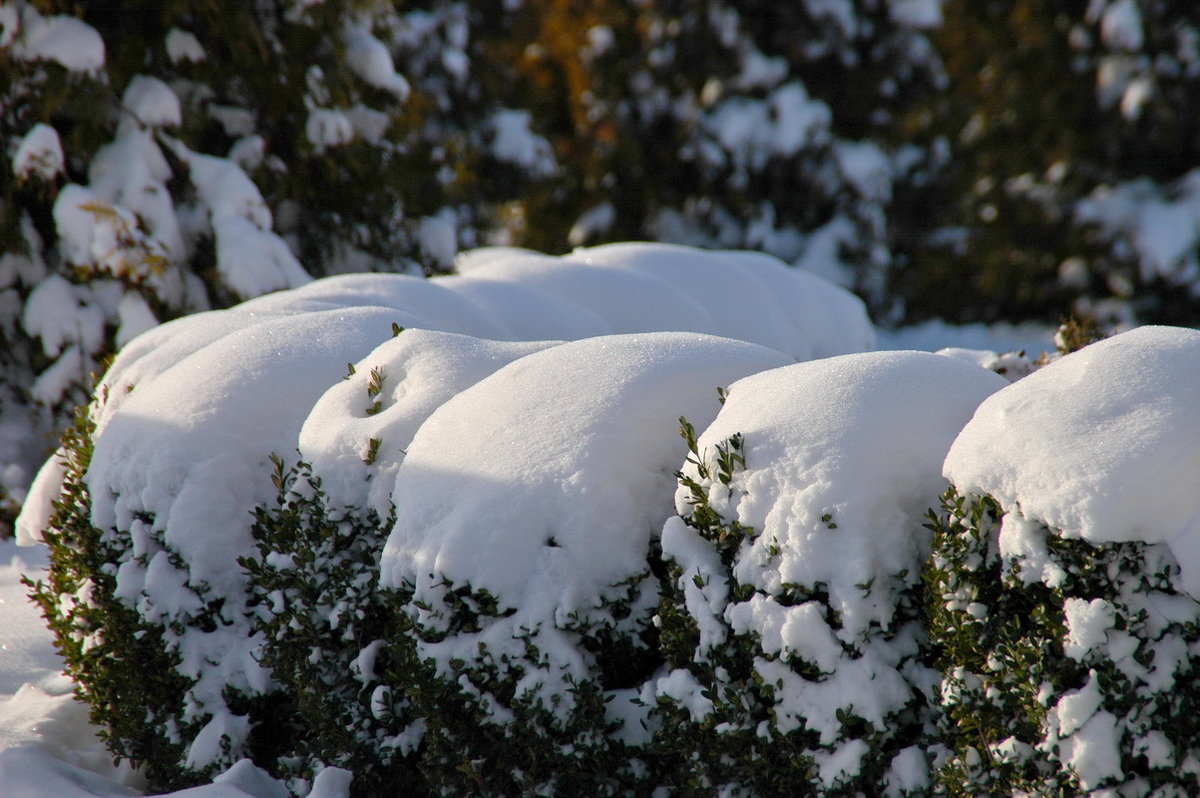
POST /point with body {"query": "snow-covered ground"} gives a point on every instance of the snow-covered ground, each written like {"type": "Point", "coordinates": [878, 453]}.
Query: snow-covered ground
{"type": "Point", "coordinates": [48, 749]}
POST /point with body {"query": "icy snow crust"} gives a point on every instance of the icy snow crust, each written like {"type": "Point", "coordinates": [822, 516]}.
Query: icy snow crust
{"type": "Point", "coordinates": [189, 413]}
{"type": "Point", "coordinates": [1099, 445]}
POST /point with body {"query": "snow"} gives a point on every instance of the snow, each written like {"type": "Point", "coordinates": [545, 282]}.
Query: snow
{"type": "Point", "coordinates": [1087, 444]}
{"type": "Point", "coordinates": [39, 154]}
{"type": "Point", "coordinates": [152, 102]}
{"type": "Point", "coordinates": [251, 258]}
{"type": "Point", "coordinates": [917, 14]}
{"type": "Point", "coordinates": [514, 142]}
{"type": "Point", "coordinates": [551, 517]}
{"type": "Point", "coordinates": [52, 313]}
{"type": "Point", "coordinates": [420, 371]}
{"type": "Point", "coordinates": [327, 128]}
{"type": "Point", "coordinates": [842, 458]}
{"type": "Point", "coordinates": [751, 130]}
{"type": "Point", "coordinates": [47, 745]}
{"type": "Point", "coordinates": [184, 46]}
{"type": "Point", "coordinates": [65, 40]}
{"type": "Point", "coordinates": [1121, 26]}
{"type": "Point", "coordinates": [594, 221]}
{"type": "Point", "coordinates": [1088, 623]}
{"type": "Point", "coordinates": [858, 438]}
{"type": "Point", "coordinates": [370, 60]}
{"type": "Point", "coordinates": [1162, 226]}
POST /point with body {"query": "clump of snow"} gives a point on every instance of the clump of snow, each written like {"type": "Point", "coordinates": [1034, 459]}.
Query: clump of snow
{"type": "Point", "coordinates": [327, 128]}
{"type": "Point", "coordinates": [370, 60]}
{"type": "Point", "coordinates": [39, 154]}
{"type": "Point", "coordinates": [251, 258]}
{"type": "Point", "coordinates": [65, 40]}
{"type": "Point", "coordinates": [859, 438]}
{"type": "Point", "coordinates": [1121, 25]}
{"type": "Point", "coordinates": [391, 393]}
{"type": "Point", "coordinates": [1099, 444]}
{"type": "Point", "coordinates": [135, 317]}
{"type": "Point", "coordinates": [751, 131]}
{"type": "Point", "coordinates": [438, 238]}
{"type": "Point", "coordinates": [514, 142]}
{"type": "Point", "coordinates": [916, 14]}
{"type": "Point", "coordinates": [595, 221]}
{"type": "Point", "coordinates": [152, 102]}
{"type": "Point", "coordinates": [184, 46]}
{"type": "Point", "coordinates": [839, 456]}
{"type": "Point", "coordinates": [1161, 226]}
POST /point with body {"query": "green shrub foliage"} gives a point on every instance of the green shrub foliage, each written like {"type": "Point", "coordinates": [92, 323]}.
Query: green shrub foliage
{"type": "Point", "coordinates": [328, 638]}
{"type": "Point", "coordinates": [125, 667]}
{"type": "Point", "coordinates": [511, 722]}
{"type": "Point", "coordinates": [732, 709]}
{"type": "Point", "coordinates": [1067, 667]}
{"type": "Point", "coordinates": [367, 696]}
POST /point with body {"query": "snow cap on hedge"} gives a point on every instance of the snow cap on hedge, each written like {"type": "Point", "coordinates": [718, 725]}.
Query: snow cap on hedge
{"type": "Point", "coordinates": [856, 441]}
{"type": "Point", "coordinates": [1100, 444]}
{"type": "Point", "coordinates": [638, 287]}
{"type": "Point", "coordinates": [545, 482]}
{"type": "Point", "coordinates": [513, 294]}
{"type": "Point", "coordinates": [416, 372]}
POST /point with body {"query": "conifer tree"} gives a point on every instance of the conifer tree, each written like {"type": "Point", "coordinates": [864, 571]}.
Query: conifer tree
{"type": "Point", "coordinates": [1066, 182]}
{"type": "Point", "coordinates": [167, 158]}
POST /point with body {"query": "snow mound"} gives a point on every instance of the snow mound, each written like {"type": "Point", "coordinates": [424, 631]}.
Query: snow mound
{"type": "Point", "coordinates": [795, 563]}
{"type": "Point", "coordinates": [358, 431]}
{"type": "Point", "coordinates": [1098, 445]}
{"type": "Point", "coordinates": [544, 484]}
{"type": "Point", "coordinates": [855, 440]}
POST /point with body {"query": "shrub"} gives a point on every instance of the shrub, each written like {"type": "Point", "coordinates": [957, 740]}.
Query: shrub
{"type": "Point", "coordinates": [1067, 666]}
{"type": "Point", "coordinates": [325, 627]}
{"type": "Point", "coordinates": [791, 621]}
{"type": "Point", "coordinates": [524, 562]}
{"type": "Point", "coordinates": [139, 709]}
{"type": "Point", "coordinates": [193, 410]}
{"type": "Point", "coordinates": [1065, 614]}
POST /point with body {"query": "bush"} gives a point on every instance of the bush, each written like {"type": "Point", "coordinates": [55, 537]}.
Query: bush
{"type": "Point", "coordinates": [193, 409]}
{"type": "Point", "coordinates": [1063, 611]}
{"type": "Point", "coordinates": [795, 666]}
{"type": "Point", "coordinates": [326, 627]}
{"type": "Point", "coordinates": [524, 562]}
{"type": "Point", "coordinates": [124, 665]}
{"type": "Point", "coordinates": [1067, 666]}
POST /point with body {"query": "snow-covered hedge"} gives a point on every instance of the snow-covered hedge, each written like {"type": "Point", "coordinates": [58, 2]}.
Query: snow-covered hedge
{"type": "Point", "coordinates": [792, 618]}
{"type": "Point", "coordinates": [159, 484]}
{"type": "Point", "coordinates": [430, 536]}
{"type": "Point", "coordinates": [1064, 578]}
